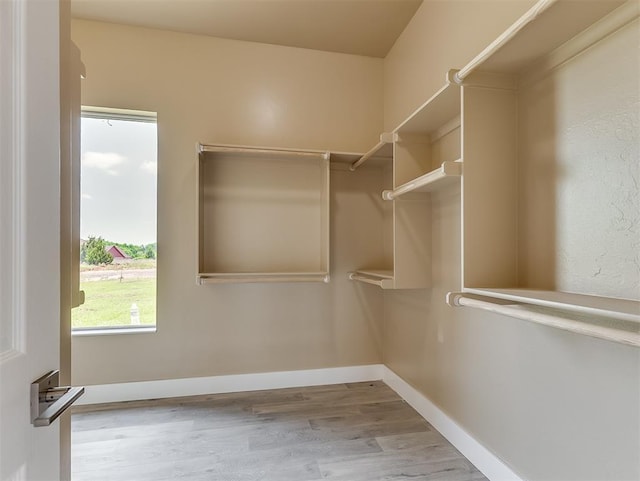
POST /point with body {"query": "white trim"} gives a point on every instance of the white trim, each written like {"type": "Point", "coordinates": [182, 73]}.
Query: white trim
{"type": "Point", "coordinates": [91, 112]}
{"type": "Point", "coordinates": [483, 459]}
{"type": "Point", "coordinates": [12, 177]}
{"type": "Point", "coordinates": [137, 391]}
{"type": "Point", "coordinates": [110, 331]}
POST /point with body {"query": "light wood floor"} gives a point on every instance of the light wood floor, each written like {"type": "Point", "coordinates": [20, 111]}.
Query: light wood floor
{"type": "Point", "coordinates": [346, 432]}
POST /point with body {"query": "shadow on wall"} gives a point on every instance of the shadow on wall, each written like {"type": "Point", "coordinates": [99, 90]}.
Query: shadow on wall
{"type": "Point", "coordinates": [539, 174]}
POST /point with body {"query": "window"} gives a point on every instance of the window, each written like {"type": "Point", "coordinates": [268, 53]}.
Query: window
{"type": "Point", "coordinates": [117, 220]}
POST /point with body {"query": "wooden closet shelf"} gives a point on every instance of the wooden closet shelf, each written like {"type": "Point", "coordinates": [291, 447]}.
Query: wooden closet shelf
{"type": "Point", "coordinates": [248, 277]}
{"type": "Point", "coordinates": [260, 151]}
{"type": "Point", "coordinates": [545, 27]}
{"type": "Point", "coordinates": [443, 106]}
{"type": "Point", "coordinates": [379, 277]}
{"type": "Point", "coordinates": [447, 174]}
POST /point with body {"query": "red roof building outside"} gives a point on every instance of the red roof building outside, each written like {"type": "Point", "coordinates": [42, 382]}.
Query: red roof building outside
{"type": "Point", "coordinates": [117, 253]}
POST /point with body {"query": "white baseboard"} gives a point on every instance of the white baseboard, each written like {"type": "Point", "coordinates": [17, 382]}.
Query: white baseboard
{"type": "Point", "coordinates": [138, 391]}
{"type": "Point", "coordinates": [483, 459]}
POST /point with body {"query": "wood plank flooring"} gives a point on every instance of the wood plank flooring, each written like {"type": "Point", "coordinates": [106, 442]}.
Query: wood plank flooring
{"type": "Point", "coordinates": [344, 432]}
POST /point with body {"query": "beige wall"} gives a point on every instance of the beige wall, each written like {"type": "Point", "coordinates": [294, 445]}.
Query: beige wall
{"type": "Point", "coordinates": [213, 90]}
{"type": "Point", "coordinates": [552, 405]}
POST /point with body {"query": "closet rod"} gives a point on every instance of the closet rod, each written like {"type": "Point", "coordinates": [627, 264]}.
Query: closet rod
{"type": "Point", "coordinates": [203, 148]}
{"type": "Point", "coordinates": [533, 13]}
{"type": "Point", "coordinates": [458, 299]}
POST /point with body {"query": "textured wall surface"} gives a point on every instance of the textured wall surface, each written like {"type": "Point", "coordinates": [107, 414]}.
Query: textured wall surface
{"type": "Point", "coordinates": [583, 168]}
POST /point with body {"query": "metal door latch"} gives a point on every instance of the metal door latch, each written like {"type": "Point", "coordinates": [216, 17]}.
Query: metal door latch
{"type": "Point", "coordinates": [49, 400]}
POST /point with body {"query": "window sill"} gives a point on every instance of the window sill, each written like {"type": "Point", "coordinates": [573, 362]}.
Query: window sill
{"type": "Point", "coordinates": [110, 331]}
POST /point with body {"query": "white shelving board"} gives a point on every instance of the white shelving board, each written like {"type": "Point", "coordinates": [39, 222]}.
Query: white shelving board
{"type": "Point", "coordinates": [441, 178]}
{"type": "Point", "coordinates": [437, 111]}
{"type": "Point", "coordinates": [251, 277]}
{"type": "Point", "coordinates": [381, 273]}
{"type": "Point", "coordinates": [545, 27]}
{"type": "Point", "coordinates": [380, 277]}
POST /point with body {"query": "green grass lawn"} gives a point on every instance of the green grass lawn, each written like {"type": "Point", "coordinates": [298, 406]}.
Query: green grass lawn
{"type": "Point", "coordinates": [108, 303]}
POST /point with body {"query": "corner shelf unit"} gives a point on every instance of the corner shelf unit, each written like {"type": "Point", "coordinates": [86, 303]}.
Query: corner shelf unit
{"type": "Point", "coordinates": [502, 110]}
{"type": "Point", "coordinates": [415, 167]}
{"type": "Point", "coordinates": [522, 242]}
{"type": "Point", "coordinates": [263, 215]}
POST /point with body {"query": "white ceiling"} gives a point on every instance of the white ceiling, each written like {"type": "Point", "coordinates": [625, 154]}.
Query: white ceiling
{"type": "Point", "coordinates": [361, 27]}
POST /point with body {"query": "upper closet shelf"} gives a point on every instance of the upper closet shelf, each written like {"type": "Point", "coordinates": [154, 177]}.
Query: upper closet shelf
{"type": "Point", "coordinates": [261, 151]}
{"type": "Point", "coordinates": [448, 173]}
{"type": "Point", "coordinates": [248, 277]}
{"type": "Point", "coordinates": [544, 28]}
{"type": "Point", "coordinates": [442, 110]}
{"type": "Point", "coordinates": [443, 106]}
